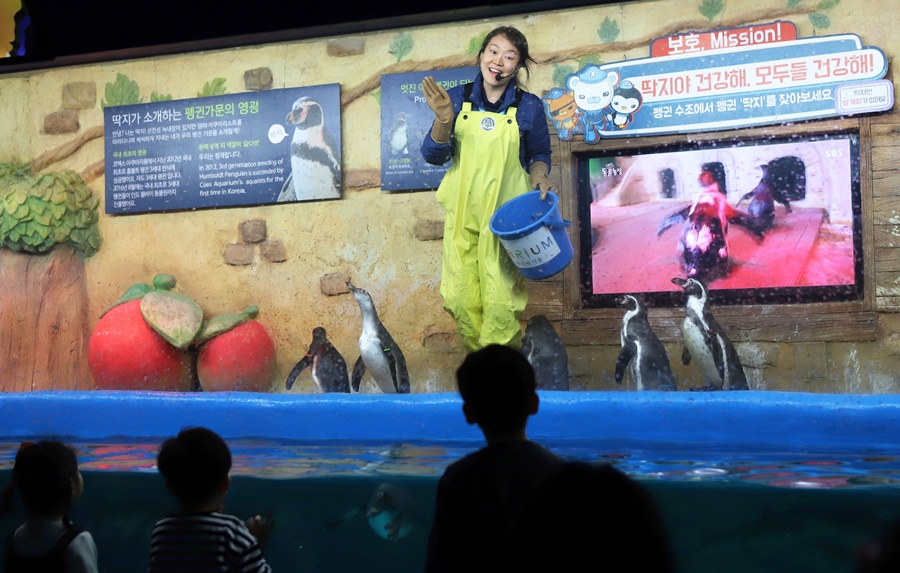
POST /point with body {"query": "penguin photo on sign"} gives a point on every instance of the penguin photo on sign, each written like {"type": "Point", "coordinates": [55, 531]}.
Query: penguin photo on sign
{"type": "Point", "coordinates": [329, 371]}
{"type": "Point", "coordinates": [546, 353]}
{"type": "Point", "coordinates": [378, 353]}
{"type": "Point", "coordinates": [398, 136]}
{"type": "Point", "coordinates": [315, 167]}
{"type": "Point", "coordinates": [642, 352]}
{"type": "Point", "coordinates": [707, 343]}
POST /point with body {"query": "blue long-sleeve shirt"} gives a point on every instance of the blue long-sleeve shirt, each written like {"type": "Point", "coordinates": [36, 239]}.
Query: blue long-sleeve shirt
{"type": "Point", "coordinates": [534, 141]}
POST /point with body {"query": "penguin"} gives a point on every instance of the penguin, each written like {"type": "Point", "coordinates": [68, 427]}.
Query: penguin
{"type": "Point", "coordinates": [703, 243]}
{"type": "Point", "coordinates": [377, 350]}
{"type": "Point", "coordinates": [642, 352]}
{"type": "Point", "coordinates": [329, 371]}
{"type": "Point", "coordinates": [706, 341]}
{"type": "Point", "coordinates": [315, 169]}
{"type": "Point", "coordinates": [398, 136]}
{"type": "Point", "coordinates": [546, 353]}
{"type": "Point", "coordinates": [761, 208]}
{"type": "Point", "coordinates": [390, 513]}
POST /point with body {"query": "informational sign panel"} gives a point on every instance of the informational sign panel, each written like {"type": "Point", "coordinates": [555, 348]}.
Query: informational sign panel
{"type": "Point", "coordinates": [755, 78]}
{"type": "Point", "coordinates": [405, 119]}
{"type": "Point", "coordinates": [251, 148]}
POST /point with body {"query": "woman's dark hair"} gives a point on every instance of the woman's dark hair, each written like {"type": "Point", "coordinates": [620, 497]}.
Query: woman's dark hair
{"type": "Point", "coordinates": [44, 474]}
{"type": "Point", "coordinates": [194, 463]}
{"type": "Point", "coordinates": [517, 39]}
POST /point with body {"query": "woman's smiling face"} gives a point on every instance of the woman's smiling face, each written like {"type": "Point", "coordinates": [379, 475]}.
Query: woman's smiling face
{"type": "Point", "coordinates": [499, 57]}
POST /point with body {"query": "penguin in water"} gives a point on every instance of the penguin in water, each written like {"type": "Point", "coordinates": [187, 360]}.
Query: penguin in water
{"type": "Point", "coordinates": [377, 350]}
{"type": "Point", "coordinates": [546, 353]}
{"type": "Point", "coordinates": [707, 342]}
{"type": "Point", "coordinates": [390, 513]}
{"type": "Point", "coordinates": [315, 169]}
{"type": "Point", "coordinates": [329, 371]}
{"type": "Point", "coordinates": [398, 136]}
{"type": "Point", "coordinates": [642, 352]}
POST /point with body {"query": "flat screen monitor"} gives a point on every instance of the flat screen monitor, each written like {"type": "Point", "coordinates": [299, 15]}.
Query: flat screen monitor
{"type": "Point", "coordinates": [761, 221]}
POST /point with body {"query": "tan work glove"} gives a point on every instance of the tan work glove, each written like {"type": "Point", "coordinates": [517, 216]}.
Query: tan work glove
{"type": "Point", "coordinates": [439, 101]}
{"type": "Point", "coordinates": [539, 178]}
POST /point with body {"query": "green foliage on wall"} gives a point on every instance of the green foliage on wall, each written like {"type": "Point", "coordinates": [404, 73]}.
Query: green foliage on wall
{"type": "Point", "coordinates": [821, 21]}
{"type": "Point", "coordinates": [793, 3]}
{"type": "Point", "coordinates": [160, 97]}
{"type": "Point", "coordinates": [40, 211]}
{"type": "Point", "coordinates": [401, 46]}
{"type": "Point", "coordinates": [475, 44]}
{"type": "Point", "coordinates": [122, 92]}
{"type": "Point", "coordinates": [609, 30]}
{"type": "Point", "coordinates": [213, 88]}
{"type": "Point", "coordinates": [711, 8]}
{"type": "Point", "coordinates": [560, 73]}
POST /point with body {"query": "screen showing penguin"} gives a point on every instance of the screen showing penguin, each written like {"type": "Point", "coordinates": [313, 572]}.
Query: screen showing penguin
{"type": "Point", "coordinates": [546, 353]}
{"type": "Point", "coordinates": [329, 371]}
{"type": "Point", "coordinates": [761, 220]}
{"type": "Point", "coordinates": [642, 354]}
{"type": "Point", "coordinates": [378, 352]}
{"type": "Point", "coordinates": [707, 343]}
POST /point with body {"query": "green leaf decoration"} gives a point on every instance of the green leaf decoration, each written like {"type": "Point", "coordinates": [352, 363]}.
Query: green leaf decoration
{"type": "Point", "coordinates": [134, 292]}
{"type": "Point", "coordinates": [711, 8]}
{"type": "Point", "coordinates": [609, 30]}
{"type": "Point", "coordinates": [827, 4]}
{"type": "Point", "coordinates": [174, 316]}
{"type": "Point", "coordinates": [223, 323]}
{"type": "Point", "coordinates": [475, 44]}
{"type": "Point", "coordinates": [793, 3]}
{"type": "Point", "coordinates": [401, 46]}
{"type": "Point", "coordinates": [213, 88]}
{"type": "Point", "coordinates": [587, 60]}
{"type": "Point", "coordinates": [160, 97]}
{"type": "Point", "coordinates": [122, 92]}
{"type": "Point", "coordinates": [40, 211]}
{"type": "Point", "coordinates": [377, 95]}
{"type": "Point", "coordinates": [560, 73]}
{"type": "Point", "coordinates": [820, 21]}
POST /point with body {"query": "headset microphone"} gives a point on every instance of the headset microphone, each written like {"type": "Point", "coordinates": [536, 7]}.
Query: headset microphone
{"type": "Point", "coordinates": [498, 76]}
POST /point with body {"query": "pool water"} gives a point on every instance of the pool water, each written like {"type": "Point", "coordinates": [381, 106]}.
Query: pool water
{"type": "Point", "coordinates": [751, 510]}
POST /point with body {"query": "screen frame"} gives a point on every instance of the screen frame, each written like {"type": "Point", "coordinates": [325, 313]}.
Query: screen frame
{"type": "Point", "coordinates": [742, 296]}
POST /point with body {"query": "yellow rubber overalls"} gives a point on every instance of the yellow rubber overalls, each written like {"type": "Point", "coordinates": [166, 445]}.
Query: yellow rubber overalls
{"type": "Point", "coordinates": [481, 287]}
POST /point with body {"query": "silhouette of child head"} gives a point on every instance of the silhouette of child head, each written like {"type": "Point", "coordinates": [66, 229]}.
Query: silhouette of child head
{"type": "Point", "coordinates": [497, 386]}
{"type": "Point", "coordinates": [195, 464]}
{"type": "Point", "coordinates": [47, 477]}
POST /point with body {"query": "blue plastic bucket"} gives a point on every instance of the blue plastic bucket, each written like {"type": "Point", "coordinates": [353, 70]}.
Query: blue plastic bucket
{"type": "Point", "coordinates": [534, 234]}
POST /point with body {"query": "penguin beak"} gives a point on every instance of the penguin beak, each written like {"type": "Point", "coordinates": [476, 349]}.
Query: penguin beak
{"type": "Point", "coordinates": [679, 281]}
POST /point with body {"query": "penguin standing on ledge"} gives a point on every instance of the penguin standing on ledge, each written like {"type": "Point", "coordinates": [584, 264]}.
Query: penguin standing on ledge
{"type": "Point", "coordinates": [706, 341]}
{"type": "Point", "coordinates": [642, 352]}
{"type": "Point", "coordinates": [545, 351]}
{"type": "Point", "coordinates": [329, 371]}
{"type": "Point", "coordinates": [377, 350]}
{"type": "Point", "coordinates": [315, 169]}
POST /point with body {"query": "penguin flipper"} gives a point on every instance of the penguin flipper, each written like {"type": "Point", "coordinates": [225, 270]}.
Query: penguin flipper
{"type": "Point", "coordinates": [629, 349]}
{"type": "Point", "coordinates": [287, 190]}
{"type": "Point", "coordinates": [300, 366]}
{"type": "Point", "coordinates": [392, 362]}
{"type": "Point", "coordinates": [359, 369]}
{"type": "Point", "coordinates": [718, 358]}
{"type": "Point", "coordinates": [685, 356]}
{"type": "Point", "coordinates": [674, 218]}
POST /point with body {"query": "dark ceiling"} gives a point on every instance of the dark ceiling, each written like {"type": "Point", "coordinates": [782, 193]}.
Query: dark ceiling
{"type": "Point", "coordinates": [68, 32]}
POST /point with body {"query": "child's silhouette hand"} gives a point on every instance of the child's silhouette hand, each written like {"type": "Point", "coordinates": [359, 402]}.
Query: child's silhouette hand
{"type": "Point", "coordinates": [261, 527]}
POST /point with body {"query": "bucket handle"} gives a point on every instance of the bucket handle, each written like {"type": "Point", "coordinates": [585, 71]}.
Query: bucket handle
{"type": "Point", "coordinates": [558, 224]}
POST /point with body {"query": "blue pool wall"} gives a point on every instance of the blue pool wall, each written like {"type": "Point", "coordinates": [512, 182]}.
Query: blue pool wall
{"type": "Point", "coordinates": [826, 421]}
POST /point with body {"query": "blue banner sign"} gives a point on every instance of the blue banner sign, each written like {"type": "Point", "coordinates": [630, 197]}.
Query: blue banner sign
{"type": "Point", "coordinates": [251, 148]}
{"type": "Point", "coordinates": [405, 119]}
{"type": "Point", "coordinates": [714, 89]}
